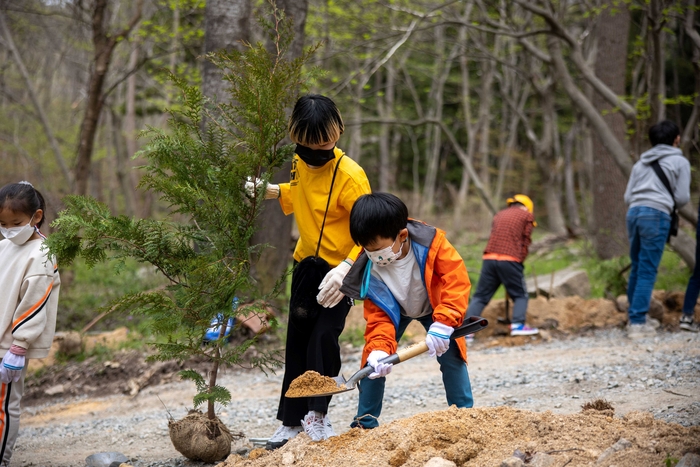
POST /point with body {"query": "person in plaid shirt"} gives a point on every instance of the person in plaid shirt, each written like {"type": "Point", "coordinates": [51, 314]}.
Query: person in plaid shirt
{"type": "Point", "coordinates": [503, 262]}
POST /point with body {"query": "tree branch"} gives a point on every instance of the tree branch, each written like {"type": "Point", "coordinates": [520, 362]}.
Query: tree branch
{"type": "Point", "coordinates": [607, 137]}
{"type": "Point", "coordinates": [463, 157]}
{"type": "Point", "coordinates": [9, 42]}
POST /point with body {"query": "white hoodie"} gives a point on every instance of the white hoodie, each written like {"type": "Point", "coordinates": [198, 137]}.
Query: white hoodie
{"type": "Point", "coordinates": [29, 286]}
{"type": "Point", "coordinates": [645, 188]}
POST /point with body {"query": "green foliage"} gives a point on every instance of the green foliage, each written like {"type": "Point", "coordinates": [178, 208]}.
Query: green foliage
{"type": "Point", "coordinates": [88, 289]}
{"type": "Point", "coordinates": [199, 167]}
{"type": "Point", "coordinates": [205, 393]}
{"type": "Point", "coordinates": [609, 278]}
{"type": "Point", "coordinates": [670, 461]}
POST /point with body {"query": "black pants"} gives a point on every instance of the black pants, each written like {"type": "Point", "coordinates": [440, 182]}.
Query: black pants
{"type": "Point", "coordinates": [312, 344]}
{"type": "Point", "coordinates": [493, 274]}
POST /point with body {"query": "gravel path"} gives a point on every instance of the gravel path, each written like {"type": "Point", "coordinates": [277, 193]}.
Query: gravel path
{"type": "Point", "coordinates": [660, 375]}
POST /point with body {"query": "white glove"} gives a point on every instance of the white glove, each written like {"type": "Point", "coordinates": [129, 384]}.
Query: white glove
{"type": "Point", "coordinates": [380, 369]}
{"type": "Point", "coordinates": [330, 294]}
{"type": "Point", "coordinates": [438, 339]}
{"type": "Point", "coordinates": [12, 366]}
{"type": "Point", "coordinates": [272, 191]}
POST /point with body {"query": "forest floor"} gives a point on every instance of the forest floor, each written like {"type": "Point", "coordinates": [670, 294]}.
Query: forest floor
{"type": "Point", "coordinates": [528, 394]}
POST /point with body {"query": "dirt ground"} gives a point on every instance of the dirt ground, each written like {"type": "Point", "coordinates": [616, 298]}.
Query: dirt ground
{"type": "Point", "coordinates": [72, 411]}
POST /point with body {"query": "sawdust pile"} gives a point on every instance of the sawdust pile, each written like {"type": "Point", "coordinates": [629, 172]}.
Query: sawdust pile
{"type": "Point", "coordinates": [310, 383]}
{"type": "Point", "coordinates": [488, 436]}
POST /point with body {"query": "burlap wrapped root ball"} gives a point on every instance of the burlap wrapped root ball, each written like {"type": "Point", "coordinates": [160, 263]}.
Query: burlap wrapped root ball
{"type": "Point", "coordinates": [198, 438]}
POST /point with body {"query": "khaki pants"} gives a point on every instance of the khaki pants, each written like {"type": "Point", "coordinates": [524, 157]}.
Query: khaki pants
{"type": "Point", "coordinates": [10, 397]}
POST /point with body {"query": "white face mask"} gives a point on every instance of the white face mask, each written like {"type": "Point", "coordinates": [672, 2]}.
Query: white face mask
{"type": "Point", "coordinates": [19, 235]}
{"type": "Point", "coordinates": [385, 256]}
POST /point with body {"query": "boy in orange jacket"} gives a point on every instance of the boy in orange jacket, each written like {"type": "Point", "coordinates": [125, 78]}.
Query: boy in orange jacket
{"type": "Point", "coordinates": [407, 271]}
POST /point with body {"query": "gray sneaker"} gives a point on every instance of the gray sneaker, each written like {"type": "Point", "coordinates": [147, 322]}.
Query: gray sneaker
{"type": "Point", "coordinates": [640, 331]}
{"type": "Point", "coordinates": [688, 324]}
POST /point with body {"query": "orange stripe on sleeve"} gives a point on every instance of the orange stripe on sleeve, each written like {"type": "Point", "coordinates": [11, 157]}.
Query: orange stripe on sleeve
{"type": "Point", "coordinates": [33, 308]}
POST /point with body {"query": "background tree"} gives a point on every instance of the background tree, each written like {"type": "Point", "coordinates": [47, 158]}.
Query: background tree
{"type": "Point", "coordinates": [200, 171]}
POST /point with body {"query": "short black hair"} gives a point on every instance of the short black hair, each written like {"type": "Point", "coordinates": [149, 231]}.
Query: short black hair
{"type": "Point", "coordinates": [664, 132]}
{"type": "Point", "coordinates": [377, 215]}
{"type": "Point", "coordinates": [315, 120]}
{"type": "Point", "coordinates": [22, 197]}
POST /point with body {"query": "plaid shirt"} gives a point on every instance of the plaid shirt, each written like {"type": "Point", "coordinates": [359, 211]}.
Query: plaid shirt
{"type": "Point", "coordinates": [510, 233]}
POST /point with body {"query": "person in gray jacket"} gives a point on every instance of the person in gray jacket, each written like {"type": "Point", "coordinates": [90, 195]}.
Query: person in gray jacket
{"type": "Point", "coordinates": [650, 205]}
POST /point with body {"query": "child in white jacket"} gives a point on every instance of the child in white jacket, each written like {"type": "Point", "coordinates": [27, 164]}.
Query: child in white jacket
{"type": "Point", "coordinates": [29, 285]}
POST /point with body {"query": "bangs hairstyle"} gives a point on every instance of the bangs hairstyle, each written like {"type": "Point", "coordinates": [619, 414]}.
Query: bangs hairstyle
{"type": "Point", "coordinates": [24, 198]}
{"type": "Point", "coordinates": [377, 215]}
{"type": "Point", "coordinates": [315, 120]}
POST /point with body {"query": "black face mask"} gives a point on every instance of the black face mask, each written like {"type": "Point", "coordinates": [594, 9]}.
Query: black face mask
{"type": "Point", "coordinates": [315, 157]}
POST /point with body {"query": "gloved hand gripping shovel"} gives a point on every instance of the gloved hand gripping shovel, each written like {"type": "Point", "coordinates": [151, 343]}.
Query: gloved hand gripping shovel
{"type": "Point", "coordinates": [470, 326]}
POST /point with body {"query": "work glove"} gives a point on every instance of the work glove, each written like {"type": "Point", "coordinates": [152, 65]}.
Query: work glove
{"type": "Point", "coordinates": [438, 339]}
{"type": "Point", "coordinates": [330, 294]}
{"type": "Point", "coordinates": [12, 366]}
{"type": "Point", "coordinates": [272, 191]}
{"type": "Point", "coordinates": [380, 369]}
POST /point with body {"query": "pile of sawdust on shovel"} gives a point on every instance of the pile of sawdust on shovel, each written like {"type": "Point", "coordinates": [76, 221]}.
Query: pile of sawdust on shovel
{"type": "Point", "coordinates": [487, 437]}
{"type": "Point", "coordinates": [311, 383]}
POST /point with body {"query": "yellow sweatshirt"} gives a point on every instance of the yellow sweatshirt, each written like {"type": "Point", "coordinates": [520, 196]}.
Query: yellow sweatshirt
{"type": "Point", "coordinates": [29, 285]}
{"type": "Point", "coordinates": [306, 196]}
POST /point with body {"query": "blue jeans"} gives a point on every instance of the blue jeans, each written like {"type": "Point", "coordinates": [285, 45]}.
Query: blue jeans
{"type": "Point", "coordinates": [647, 229]}
{"type": "Point", "coordinates": [693, 290]}
{"type": "Point", "coordinates": [455, 379]}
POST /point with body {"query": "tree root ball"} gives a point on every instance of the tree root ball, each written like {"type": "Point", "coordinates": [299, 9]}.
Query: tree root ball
{"type": "Point", "coordinates": [200, 439]}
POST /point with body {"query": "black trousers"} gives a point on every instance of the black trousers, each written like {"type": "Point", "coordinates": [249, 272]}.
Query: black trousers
{"type": "Point", "coordinates": [493, 274]}
{"type": "Point", "coordinates": [312, 344]}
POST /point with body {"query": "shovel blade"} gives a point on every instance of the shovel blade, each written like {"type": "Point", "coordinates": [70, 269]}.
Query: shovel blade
{"type": "Point", "coordinates": [343, 386]}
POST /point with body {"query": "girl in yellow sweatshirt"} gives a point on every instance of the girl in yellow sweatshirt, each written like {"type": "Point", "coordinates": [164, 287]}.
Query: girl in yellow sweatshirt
{"type": "Point", "coordinates": [320, 212]}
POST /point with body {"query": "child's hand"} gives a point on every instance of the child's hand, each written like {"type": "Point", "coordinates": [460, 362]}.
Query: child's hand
{"type": "Point", "coordinates": [380, 369]}
{"type": "Point", "coordinates": [330, 294]}
{"type": "Point", "coordinates": [272, 191]}
{"type": "Point", "coordinates": [438, 339]}
{"type": "Point", "coordinates": [12, 366]}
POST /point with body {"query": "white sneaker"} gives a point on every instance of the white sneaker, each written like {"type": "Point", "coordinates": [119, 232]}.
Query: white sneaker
{"type": "Point", "coordinates": [329, 428]}
{"type": "Point", "coordinates": [314, 426]}
{"type": "Point", "coordinates": [281, 436]}
{"type": "Point", "coordinates": [654, 323]}
{"type": "Point", "coordinates": [640, 331]}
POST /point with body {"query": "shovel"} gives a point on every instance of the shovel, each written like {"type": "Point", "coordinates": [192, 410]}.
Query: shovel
{"type": "Point", "coordinates": [506, 320]}
{"type": "Point", "coordinates": [471, 325]}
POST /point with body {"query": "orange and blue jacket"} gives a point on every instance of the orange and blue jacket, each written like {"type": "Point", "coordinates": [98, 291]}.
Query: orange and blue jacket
{"type": "Point", "coordinates": [444, 277]}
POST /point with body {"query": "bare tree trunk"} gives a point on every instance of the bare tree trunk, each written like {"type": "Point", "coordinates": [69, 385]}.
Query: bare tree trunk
{"type": "Point", "coordinates": [121, 157]}
{"type": "Point", "coordinates": [384, 133]}
{"type": "Point", "coordinates": [226, 23]}
{"type": "Point", "coordinates": [569, 183]}
{"type": "Point", "coordinates": [297, 10]}
{"type": "Point", "coordinates": [585, 154]}
{"type": "Point", "coordinates": [548, 163]}
{"type": "Point", "coordinates": [9, 42]}
{"type": "Point", "coordinates": [276, 228]}
{"type": "Point", "coordinates": [657, 68]}
{"type": "Point", "coordinates": [610, 230]}
{"type": "Point", "coordinates": [104, 42]}
{"type": "Point", "coordinates": [354, 148]}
